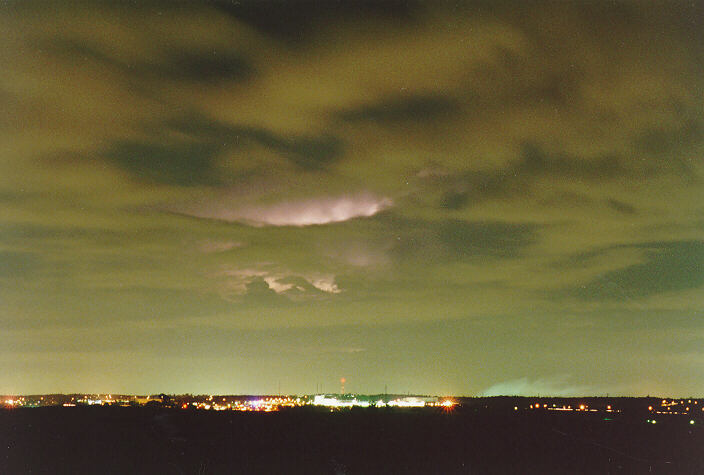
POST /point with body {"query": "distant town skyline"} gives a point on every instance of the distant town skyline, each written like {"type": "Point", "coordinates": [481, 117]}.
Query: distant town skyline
{"type": "Point", "coordinates": [467, 198]}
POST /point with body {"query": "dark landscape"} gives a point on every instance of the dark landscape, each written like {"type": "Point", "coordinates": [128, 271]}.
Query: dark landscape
{"type": "Point", "coordinates": [472, 438]}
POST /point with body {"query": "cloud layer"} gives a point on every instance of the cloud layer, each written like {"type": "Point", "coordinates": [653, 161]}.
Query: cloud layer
{"type": "Point", "coordinates": [321, 172]}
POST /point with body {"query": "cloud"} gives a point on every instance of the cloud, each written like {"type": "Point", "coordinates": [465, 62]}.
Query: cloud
{"type": "Point", "coordinates": [403, 109]}
{"type": "Point", "coordinates": [185, 63]}
{"type": "Point", "coordinates": [356, 163]}
{"type": "Point", "coordinates": [282, 282]}
{"type": "Point", "coordinates": [524, 176]}
{"type": "Point", "coordinates": [556, 386]}
{"type": "Point", "coordinates": [621, 207]}
{"type": "Point", "coordinates": [299, 21]}
{"type": "Point", "coordinates": [326, 284]}
{"type": "Point", "coordinates": [258, 292]}
{"type": "Point", "coordinates": [302, 212]}
{"type": "Point", "coordinates": [450, 239]}
{"type": "Point", "coordinates": [190, 149]}
{"type": "Point", "coordinates": [667, 267]}
{"type": "Point", "coordinates": [175, 164]}
{"type": "Point", "coordinates": [209, 246]}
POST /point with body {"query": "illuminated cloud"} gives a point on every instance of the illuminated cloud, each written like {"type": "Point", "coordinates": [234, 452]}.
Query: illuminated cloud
{"type": "Point", "coordinates": [326, 284]}
{"type": "Point", "coordinates": [300, 212]}
{"type": "Point", "coordinates": [290, 284]}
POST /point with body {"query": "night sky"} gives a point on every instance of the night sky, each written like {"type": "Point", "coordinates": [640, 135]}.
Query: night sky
{"type": "Point", "coordinates": [436, 197]}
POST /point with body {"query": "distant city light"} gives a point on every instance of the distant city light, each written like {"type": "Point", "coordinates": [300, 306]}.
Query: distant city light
{"type": "Point", "coordinates": [330, 401]}
{"type": "Point", "coordinates": [407, 402]}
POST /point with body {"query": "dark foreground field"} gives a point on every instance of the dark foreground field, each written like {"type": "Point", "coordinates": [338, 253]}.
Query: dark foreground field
{"type": "Point", "coordinates": [108, 440]}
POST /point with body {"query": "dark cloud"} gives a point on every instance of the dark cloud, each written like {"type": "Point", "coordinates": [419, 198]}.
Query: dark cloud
{"type": "Point", "coordinates": [520, 176]}
{"type": "Point", "coordinates": [455, 200]}
{"type": "Point", "coordinates": [300, 288]}
{"type": "Point", "coordinates": [258, 293]}
{"type": "Point", "coordinates": [291, 291]}
{"type": "Point", "coordinates": [309, 153]}
{"type": "Point", "coordinates": [535, 161]}
{"type": "Point", "coordinates": [74, 49]}
{"type": "Point", "coordinates": [296, 21]}
{"type": "Point", "coordinates": [663, 140]}
{"type": "Point", "coordinates": [517, 80]}
{"type": "Point", "coordinates": [667, 267]}
{"type": "Point", "coordinates": [452, 240]}
{"type": "Point", "coordinates": [206, 66]}
{"type": "Point", "coordinates": [404, 109]}
{"type": "Point", "coordinates": [620, 206]}
{"type": "Point", "coordinates": [490, 239]}
{"type": "Point", "coordinates": [672, 148]}
{"type": "Point", "coordinates": [306, 152]}
{"type": "Point", "coordinates": [196, 160]}
{"type": "Point", "coordinates": [186, 163]}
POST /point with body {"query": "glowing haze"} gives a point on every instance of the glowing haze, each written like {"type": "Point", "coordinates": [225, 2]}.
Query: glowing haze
{"type": "Point", "coordinates": [434, 197]}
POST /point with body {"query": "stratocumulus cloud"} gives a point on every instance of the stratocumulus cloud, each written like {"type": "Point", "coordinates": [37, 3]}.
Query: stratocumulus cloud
{"type": "Point", "coordinates": [304, 212]}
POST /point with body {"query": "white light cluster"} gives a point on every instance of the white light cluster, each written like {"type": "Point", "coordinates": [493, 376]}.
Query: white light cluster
{"type": "Point", "coordinates": [321, 400]}
{"type": "Point", "coordinates": [331, 401]}
{"type": "Point", "coordinates": [407, 402]}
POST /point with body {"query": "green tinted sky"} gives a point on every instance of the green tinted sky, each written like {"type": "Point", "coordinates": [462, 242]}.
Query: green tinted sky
{"type": "Point", "coordinates": [468, 198]}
